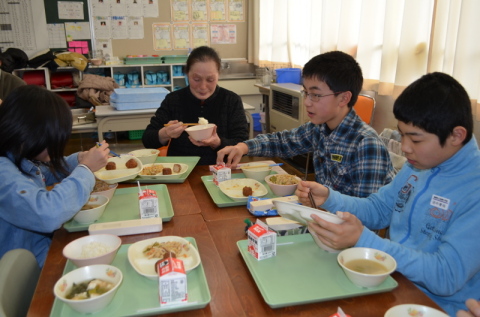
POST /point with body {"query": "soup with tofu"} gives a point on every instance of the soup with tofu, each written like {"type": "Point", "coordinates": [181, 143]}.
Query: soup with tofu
{"type": "Point", "coordinates": [366, 266]}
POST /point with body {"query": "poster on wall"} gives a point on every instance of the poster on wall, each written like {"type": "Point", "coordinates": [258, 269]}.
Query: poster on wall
{"type": "Point", "coordinates": [150, 8]}
{"type": "Point", "coordinates": [101, 26]}
{"type": "Point", "coordinates": [56, 35]}
{"type": "Point", "coordinates": [199, 10]}
{"type": "Point", "coordinates": [236, 9]}
{"type": "Point", "coordinates": [200, 34]}
{"type": "Point", "coordinates": [180, 10]}
{"type": "Point", "coordinates": [70, 10]}
{"type": "Point", "coordinates": [181, 36]}
{"type": "Point", "coordinates": [105, 46]}
{"type": "Point", "coordinates": [119, 27]}
{"type": "Point", "coordinates": [217, 11]}
{"type": "Point", "coordinates": [162, 39]}
{"type": "Point", "coordinates": [223, 33]}
{"type": "Point", "coordinates": [77, 30]}
{"type": "Point", "coordinates": [135, 28]}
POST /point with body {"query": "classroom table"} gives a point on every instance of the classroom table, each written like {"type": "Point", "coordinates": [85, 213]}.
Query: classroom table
{"type": "Point", "coordinates": [233, 290]}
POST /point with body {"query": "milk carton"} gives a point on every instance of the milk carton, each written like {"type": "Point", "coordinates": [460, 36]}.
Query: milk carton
{"type": "Point", "coordinates": [172, 281]}
{"type": "Point", "coordinates": [148, 203]}
{"type": "Point", "coordinates": [262, 242]}
{"type": "Point", "coordinates": [221, 173]}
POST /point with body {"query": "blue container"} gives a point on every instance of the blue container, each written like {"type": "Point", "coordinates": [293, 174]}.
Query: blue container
{"type": "Point", "coordinates": [257, 126]}
{"type": "Point", "coordinates": [289, 75]}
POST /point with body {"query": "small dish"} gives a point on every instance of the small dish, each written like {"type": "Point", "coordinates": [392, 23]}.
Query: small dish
{"type": "Point", "coordinates": [200, 132]}
{"type": "Point", "coordinates": [92, 249]}
{"type": "Point", "coordinates": [146, 156]}
{"type": "Point", "coordinates": [121, 173]}
{"type": "Point", "coordinates": [104, 272]}
{"type": "Point", "coordinates": [413, 310]}
{"type": "Point", "coordinates": [146, 267]}
{"type": "Point", "coordinates": [302, 214]}
{"type": "Point", "coordinates": [282, 190]}
{"type": "Point", "coordinates": [257, 173]}
{"type": "Point", "coordinates": [106, 190]}
{"type": "Point", "coordinates": [92, 210]}
{"type": "Point", "coordinates": [183, 169]}
{"type": "Point", "coordinates": [233, 188]}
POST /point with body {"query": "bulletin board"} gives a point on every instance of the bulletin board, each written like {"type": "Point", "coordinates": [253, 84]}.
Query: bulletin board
{"type": "Point", "coordinates": [68, 24]}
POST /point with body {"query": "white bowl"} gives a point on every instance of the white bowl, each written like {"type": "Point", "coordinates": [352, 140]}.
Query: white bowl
{"type": "Point", "coordinates": [121, 173]}
{"type": "Point", "coordinates": [233, 188]}
{"type": "Point", "coordinates": [111, 188]}
{"type": "Point", "coordinates": [374, 257]}
{"type": "Point", "coordinates": [146, 267]}
{"type": "Point", "coordinates": [86, 216]}
{"type": "Point", "coordinates": [303, 214]}
{"type": "Point", "coordinates": [413, 310]}
{"type": "Point", "coordinates": [257, 173]}
{"type": "Point", "coordinates": [200, 132]}
{"type": "Point", "coordinates": [281, 190]}
{"type": "Point", "coordinates": [146, 156]}
{"type": "Point", "coordinates": [80, 251]}
{"type": "Point", "coordinates": [104, 272]}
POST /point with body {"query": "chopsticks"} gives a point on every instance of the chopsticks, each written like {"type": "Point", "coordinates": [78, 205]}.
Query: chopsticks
{"type": "Point", "coordinates": [113, 153]}
{"type": "Point", "coordinates": [168, 124]}
{"type": "Point", "coordinates": [312, 201]}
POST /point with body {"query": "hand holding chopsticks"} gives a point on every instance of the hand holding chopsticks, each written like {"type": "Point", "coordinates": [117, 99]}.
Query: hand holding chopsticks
{"type": "Point", "coordinates": [184, 124]}
{"type": "Point", "coordinates": [260, 166]}
{"type": "Point", "coordinates": [113, 153]}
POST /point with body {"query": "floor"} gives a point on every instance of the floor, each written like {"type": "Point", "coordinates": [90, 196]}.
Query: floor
{"type": "Point", "coordinates": [119, 142]}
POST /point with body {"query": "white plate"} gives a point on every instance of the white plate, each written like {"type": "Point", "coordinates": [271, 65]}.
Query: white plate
{"type": "Point", "coordinates": [413, 310]}
{"type": "Point", "coordinates": [302, 213]}
{"type": "Point", "coordinates": [184, 168]}
{"type": "Point", "coordinates": [233, 188]}
{"type": "Point", "coordinates": [146, 267]}
{"type": "Point", "coordinates": [122, 173]}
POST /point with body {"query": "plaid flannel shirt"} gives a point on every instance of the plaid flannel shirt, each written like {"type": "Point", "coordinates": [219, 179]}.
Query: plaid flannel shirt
{"type": "Point", "coordinates": [351, 159]}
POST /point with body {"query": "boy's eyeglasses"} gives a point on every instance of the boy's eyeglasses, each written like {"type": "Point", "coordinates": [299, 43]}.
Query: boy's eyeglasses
{"type": "Point", "coordinates": [316, 97]}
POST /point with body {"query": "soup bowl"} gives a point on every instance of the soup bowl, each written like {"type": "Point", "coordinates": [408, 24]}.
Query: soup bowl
{"type": "Point", "coordinates": [106, 273]}
{"type": "Point", "coordinates": [366, 267]}
{"type": "Point", "coordinates": [200, 132]}
{"type": "Point", "coordinates": [92, 210]}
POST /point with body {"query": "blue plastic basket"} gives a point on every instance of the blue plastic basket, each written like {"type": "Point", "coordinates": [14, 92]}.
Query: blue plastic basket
{"type": "Point", "coordinates": [289, 75]}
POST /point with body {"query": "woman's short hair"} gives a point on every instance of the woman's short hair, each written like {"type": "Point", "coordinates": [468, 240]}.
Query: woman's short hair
{"type": "Point", "coordinates": [33, 119]}
{"type": "Point", "coordinates": [436, 103]}
{"type": "Point", "coordinates": [203, 54]}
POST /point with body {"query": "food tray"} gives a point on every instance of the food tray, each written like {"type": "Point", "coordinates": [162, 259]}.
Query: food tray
{"type": "Point", "coordinates": [138, 296]}
{"type": "Point", "coordinates": [139, 95]}
{"type": "Point", "coordinates": [302, 273]}
{"type": "Point", "coordinates": [124, 206]}
{"type": "Point", "coordinates": [191, 161]}
{"type": "Point", "coordinates": [222, 200]}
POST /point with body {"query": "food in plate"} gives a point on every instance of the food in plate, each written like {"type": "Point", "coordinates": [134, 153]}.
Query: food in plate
{"type": "Point", "coordinates": [131, 163]}
{"type": "Point", "coordinates": [154, 169]}
{"type": "Point", "coordinates": [167, 171]}
{"type": "Point", "coordinates": [161, 250]}
{"type": "Point", "coordinates": [143, 255]}
{"type": "Point", "coordinates": [247, 191]}
{"type": "Point", "coordinates": [94, 249]}
{"type": "Point", "coordinates": [111, 166]}
{"type": "Point", "coordinates": [366, 266]}
{"type": "Point", "coordinates": [177, 168]}
{"type": "Point", "coordinates": [89, 289]}
{"type": "Point", "coordinates": [233, 188]}
{"type": "Point", "coordinates": [284, 179]}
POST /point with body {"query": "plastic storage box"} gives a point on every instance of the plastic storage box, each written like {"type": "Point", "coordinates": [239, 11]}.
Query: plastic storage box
{"type": "Point", "coordinates": [289, 75]}
{"type": "Point", "coordinates": [135, 134]}
{"type": "Point", "coordinates": [138, 98]}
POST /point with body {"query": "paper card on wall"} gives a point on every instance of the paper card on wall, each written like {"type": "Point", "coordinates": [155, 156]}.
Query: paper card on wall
{"type": "Point", "coordinates": [217, 10]}
{"type": "Point", "coordinates": [199, 10]}
{"type": "Point", "coordinates": [200, 35]}
{"type": "Point", "coordinates": [105, 46]}
{"type": "Point", "coordinates": [56, 35]}
{"type": "Point", "coordinates": [150, 9]}
{"type": "Point", "coordinates": [101, 25]}
{"type": "Point", "coordinates": [77, 30]}
{"type": "Point", "coordinates": [135, 28]}
{"type": "Point", "coordinates": [162, 38]}
{"type": "Point", "coordinates": [236, 9]}
{"type": "Point", "coordinates": [180, 10]}
{"type": "Point", "coordinates": [181, 36]}
{"type": "Point", "coordinates": [70, 10]}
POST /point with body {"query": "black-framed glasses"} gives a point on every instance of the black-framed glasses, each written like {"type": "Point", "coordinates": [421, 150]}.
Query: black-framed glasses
{"type": "Point", "coordinates": [316, 97]}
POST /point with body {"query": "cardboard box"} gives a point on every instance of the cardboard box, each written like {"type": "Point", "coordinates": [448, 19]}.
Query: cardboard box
{"type": "Point", "coordinates": [221, 173]}
{"type": "Point", "coordinates": [172, 281]}
{"type": "Point", "coordinates": [262, 242]}
{"type": "Point", "coordinates": [148, 204]}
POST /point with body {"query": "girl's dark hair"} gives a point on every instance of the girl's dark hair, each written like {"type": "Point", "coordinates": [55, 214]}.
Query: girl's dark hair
{"type": "Point", "coordinates": [436, 103]}
{"type": "Point", "coordinates": [33, 119]}
{"type": "Point", "coordinates": [203, 54]}
{"type": "Point", "coordinates": [338, 70]}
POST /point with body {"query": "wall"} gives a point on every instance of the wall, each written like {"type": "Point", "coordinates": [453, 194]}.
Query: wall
{"type": "Point", "coordinates": [122, 48]}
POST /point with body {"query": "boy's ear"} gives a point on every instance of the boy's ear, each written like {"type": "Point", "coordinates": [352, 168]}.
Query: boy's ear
{"type": "Point", "coordinates": [458, 135]}
{"type": "Point", "coordinates": [346, 97]}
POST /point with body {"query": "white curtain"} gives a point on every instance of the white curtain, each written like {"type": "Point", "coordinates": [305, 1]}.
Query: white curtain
{"type": "Point", "coordinates": [394, 41]}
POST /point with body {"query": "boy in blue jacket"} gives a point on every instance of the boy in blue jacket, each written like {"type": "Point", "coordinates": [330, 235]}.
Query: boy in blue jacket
{"type": "Point", "coordinates": [431, 206]}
